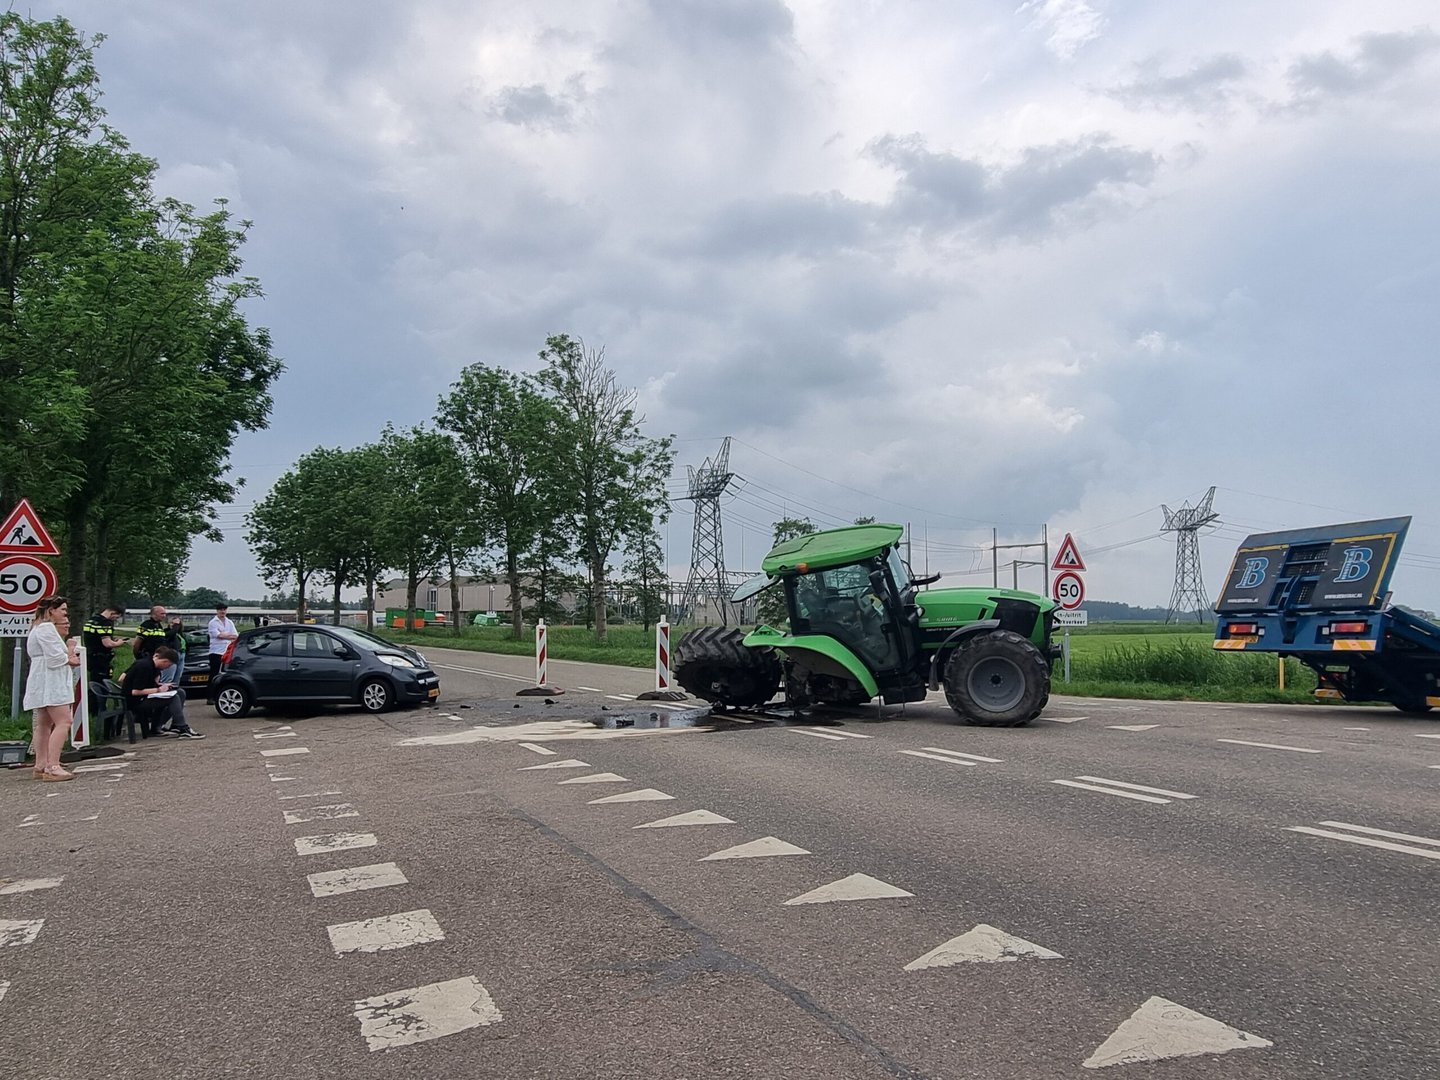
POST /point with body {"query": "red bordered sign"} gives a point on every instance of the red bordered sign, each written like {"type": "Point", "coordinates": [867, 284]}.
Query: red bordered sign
{"type": "Point", "coordinates": [24, 582]}
{"type": "Point", "coordinates": [22, 533]}
{"type": "Point", "coordinates": [1068, 590]}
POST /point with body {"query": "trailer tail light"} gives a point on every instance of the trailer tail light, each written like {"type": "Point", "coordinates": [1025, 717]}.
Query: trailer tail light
{"type": "Point", "coordinates": [1242, 629]}
{"type": "Point", "coordinates": [1349, 628]}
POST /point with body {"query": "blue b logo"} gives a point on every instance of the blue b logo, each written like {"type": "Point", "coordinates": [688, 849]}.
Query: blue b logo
{"type": "Point", "coordinates": [1254, 573]}
{"type": "Point", "coordinates": [1356, 564]}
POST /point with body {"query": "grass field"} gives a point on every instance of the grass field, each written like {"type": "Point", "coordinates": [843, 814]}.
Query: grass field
{"type": "Point", "coordinates": [1137, 660]}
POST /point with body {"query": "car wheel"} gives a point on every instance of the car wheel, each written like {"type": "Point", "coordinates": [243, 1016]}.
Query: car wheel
{"type": "Point", "coordinates": [376, 695]}
{"type": "Point", "coordinates": [233, 701]}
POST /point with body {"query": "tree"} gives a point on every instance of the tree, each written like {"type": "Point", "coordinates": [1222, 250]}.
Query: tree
{"type": "Point", "coordinates": [771, 608]}
{"type": "Point", "coordinates": [612, 474]}
{"type": "Point", "coordinates": [549, 576]}
{"type": "Point", "coordinates": [507, 436]}
{"type": "Point", "coordinates": [370, 487]}
{"type": "Point", "coordinates": [414, 462]}
{"type": "Point", "coordinates": [646, 576]}
{"type": "Point", "coordinates": [280, 534]}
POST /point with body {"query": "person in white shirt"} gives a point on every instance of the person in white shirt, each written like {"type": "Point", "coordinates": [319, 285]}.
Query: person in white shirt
{"type": "Point", "coordinates": [222, 633]}
{"type": "Point", "coordinates": [50, 686]}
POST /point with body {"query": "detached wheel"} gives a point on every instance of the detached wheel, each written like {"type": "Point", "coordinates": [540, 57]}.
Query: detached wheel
{"type": "Point", "coordinates": [997, 679]}
{"type": "Point", "coordinates": [233, 701]}
{"type": "Point", "coordinates": [1412, 707]}
{"type": "Point", "coordinates": [376, 696]}
{"type": "Point", "coordinates": [714, 664]}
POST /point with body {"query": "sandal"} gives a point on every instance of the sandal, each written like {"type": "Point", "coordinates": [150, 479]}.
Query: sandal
{"type": "Point", "coordinates": [58, 774]}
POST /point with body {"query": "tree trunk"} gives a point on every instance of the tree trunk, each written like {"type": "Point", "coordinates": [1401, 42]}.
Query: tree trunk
{"type": "Point", "coordinates": [302, 580]}
{"type": "Point", "coordinates": [454, 592]}
{"type": "Point", "coordinates": [369, 604]}
{"type": "Point", "coordinates": [77, 585]}
{"type": "Point", "coordinates": [412, 588]}
{"type": "Point", "coordinates": [597, 585]}
{"type": "Point", "coordinates": [517, 607]}
{"type": "Point", "coordinates": [339, 575]}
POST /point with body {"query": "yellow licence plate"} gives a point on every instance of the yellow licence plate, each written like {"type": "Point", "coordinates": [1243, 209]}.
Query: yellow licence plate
{"type": "Point", "coordinates": [199, 678]}
{"type": "Point", "coordinates": [435, 691]}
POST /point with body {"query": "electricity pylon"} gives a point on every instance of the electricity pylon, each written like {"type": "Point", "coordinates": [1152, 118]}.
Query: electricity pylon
{"type": "Point", "coordinates": [707, 550]}
{"type": "Point", "coordinates": [1186, 524]}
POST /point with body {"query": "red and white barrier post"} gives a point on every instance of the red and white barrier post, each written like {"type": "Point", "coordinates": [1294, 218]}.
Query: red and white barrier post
{"type": "Point", "coordinates": [542, 660]}
{"type": "Point", "coordinates": [664, 687]}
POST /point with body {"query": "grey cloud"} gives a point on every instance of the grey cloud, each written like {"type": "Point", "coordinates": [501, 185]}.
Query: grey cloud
{"type": "Point", "coordinates": [1049, 184]}
{"type": "Point", "coordinates": [1376, 60]}
{"type": "Point", "coordinates": [1208, 85]}
{"type": "Point", "coordinates": [790, 224]}
{"type": "Point", "coordinates": [537, 108]}
{"type": "Point", "coordinates": [704, 24]}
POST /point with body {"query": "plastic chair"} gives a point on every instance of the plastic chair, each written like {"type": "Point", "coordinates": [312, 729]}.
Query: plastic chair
{"type": "Point", "coordinates": [110, 714]}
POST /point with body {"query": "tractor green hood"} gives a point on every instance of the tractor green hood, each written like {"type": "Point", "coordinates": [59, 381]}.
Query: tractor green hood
{"type": "Point", "coordinates": [819, 651]}
{"type": "Point", "coordinates": [956, 607]}
{"type": "Point", "coordinates": [836, 547]}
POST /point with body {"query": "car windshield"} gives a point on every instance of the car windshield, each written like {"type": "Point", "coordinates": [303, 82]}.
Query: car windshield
{"type": "Point", "coordinates": [359, 637]}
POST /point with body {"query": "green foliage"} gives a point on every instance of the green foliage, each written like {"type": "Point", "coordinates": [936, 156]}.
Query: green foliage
{"type": "Point", "coordinates": [646, 577]}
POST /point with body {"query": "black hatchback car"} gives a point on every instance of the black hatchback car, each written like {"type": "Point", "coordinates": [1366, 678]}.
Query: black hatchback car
{"type": "Point", "coordinates": [290, 663]}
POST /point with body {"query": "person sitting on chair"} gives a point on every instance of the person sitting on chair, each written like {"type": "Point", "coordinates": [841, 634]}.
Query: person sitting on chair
{"type": "Point", "coordinates": [143, 684]}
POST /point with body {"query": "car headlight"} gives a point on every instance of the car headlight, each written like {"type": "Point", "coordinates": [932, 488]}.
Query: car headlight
{"type": "Point", "coordinates": [394, 661]}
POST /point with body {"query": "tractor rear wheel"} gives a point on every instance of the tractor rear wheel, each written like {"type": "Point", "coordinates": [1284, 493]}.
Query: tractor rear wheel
{"type": "Point", "coordinates": [997, 679]}
{"type": "Point", "coordinates": [713, 663]}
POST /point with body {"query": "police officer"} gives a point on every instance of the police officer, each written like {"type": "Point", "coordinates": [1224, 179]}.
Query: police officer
{"type": "Point", "coordinates": [101, 641]}
{"type": "Point", "coordinates": [154, 632]}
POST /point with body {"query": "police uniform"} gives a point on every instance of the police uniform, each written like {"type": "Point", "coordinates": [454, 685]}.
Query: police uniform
{"type": "Point", "coordinates": [101, 660]}
{"type": "Point", "coordinates": [153, 633]}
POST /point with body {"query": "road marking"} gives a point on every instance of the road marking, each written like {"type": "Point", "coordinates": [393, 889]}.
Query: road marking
{"type": "Point", "coordinates": [423, 1013]}
{"type": "Point", "coordinates": [1064, 719]}
{"type": "Point", "coordinates": [843, 734]}
{"type": "Point", "coordinates": [356, 879]}
{"type": "Point", "coordinates": [764, 848]}
{"type": "Point", "coordinates": [816, 734]}
{"type": "Point", "coordinates": [854, 887]}
{"type": "Point", "coordinates": [694, 817]}
{"type": "Point", "coordinates": [102, 766]}
{"type": "Point", "coordinates": [1161, 1029]}
{"type": "Point", "coordinates": [4, 985]}
{"type": "Point", "coordinates": [643, 795]}
{"type": "Point", "coordinates": [32, 820]}
{"type": "Point", "coordinates": [1406, 849]}
{"type": "Point", "coordinates": [621, 697]}
{"type": "Point", "coordinates": [961, 754]}
{"type": "Point", "coordinates": [285, 752]}
{"type": "Point", "coordinates": [592, 689]}
{"type": "Point", "coordinates": [683, 708]}
{"type": "Point", "coordinates": [385, 932]}
{"type": "Point", "coordinates": [1138, 787]}
{"type": "Point", "coordinates": [537, 748]}
{"type": "Point", "coordinates": [282, 779]}
{"type": "Point", "coordinates": [1272, 746]}
{"type": "Point", "coordinates": [1131, 727]}
{"type": "Point", "coordinates": [320, 813]}
{"type": "Point", "coordinates": [19, 931]}
{"type": "Point", "coordinates": [1427, 736]}
{"type": "Point", "coordinates": [983, 945]}
{"type": "Point", "coordinates": [482, 671]}
{"type": "Point", "coordinates": [937, 757]}
{"type": "Point", "coordinates": [340, 841]}
{"type": "Point", "coordinates": [597, 778]}
{"type": "Point", "coordinates": [275, 735]}
{"type": "Point", "coordinates": [1355, 729]}
{"type": "Point", "coordinates": [568, 763]}
{"type": "Point", "coordinates": [1111, 791]}
{"type": "Point", "coordinates": [24, 885]}
{"type": "Point", "coordinates": [308, 795]}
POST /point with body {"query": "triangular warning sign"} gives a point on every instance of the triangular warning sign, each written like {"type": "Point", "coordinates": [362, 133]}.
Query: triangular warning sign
{"type": "Point", "coordinates": [23, 533]}
{"type": "Point", "coordinates": [1068, 557]}
{"type": "Point", "coordinates": [1161, 1029]}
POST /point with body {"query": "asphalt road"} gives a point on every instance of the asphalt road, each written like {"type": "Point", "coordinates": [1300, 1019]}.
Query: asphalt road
{"type": "Point", "coordinates": [202, 918]}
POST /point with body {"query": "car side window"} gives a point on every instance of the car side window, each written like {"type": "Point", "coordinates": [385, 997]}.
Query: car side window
{"type": "Point", "coordinates": [268, 643]}
{"type": "Point", "coordinates": [312, 645]}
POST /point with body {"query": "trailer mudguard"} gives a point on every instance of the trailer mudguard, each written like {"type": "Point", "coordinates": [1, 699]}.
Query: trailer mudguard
{"type": "Point", "coordinates": [817, 645]}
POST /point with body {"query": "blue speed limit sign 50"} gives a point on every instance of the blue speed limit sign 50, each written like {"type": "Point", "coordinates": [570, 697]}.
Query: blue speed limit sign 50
{"type": "Point", "coordinates": [24, 582]}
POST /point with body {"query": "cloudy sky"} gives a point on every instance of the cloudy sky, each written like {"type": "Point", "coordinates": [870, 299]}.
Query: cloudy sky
{"type": "Point", "coordinates": [958, 264]}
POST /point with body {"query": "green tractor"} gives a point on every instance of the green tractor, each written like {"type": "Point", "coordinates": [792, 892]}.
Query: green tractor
{"type": "Point", "coordinates": [858, 629]}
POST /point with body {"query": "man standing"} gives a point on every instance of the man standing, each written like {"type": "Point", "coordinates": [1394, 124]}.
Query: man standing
{"type": "Point", "coordinates": [154, 632]}
{"type": "Point", "coordinates": [101, 641]}
{"type": "Point", "coordinates": [155, 701]}
{"type": "Point", "coordinates": [222, 633]}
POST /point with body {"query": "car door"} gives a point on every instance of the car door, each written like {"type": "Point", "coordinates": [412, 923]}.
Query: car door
{"type": "Point", "coordinates": [322, 667]}
{"type": "Point", "coordinates": [266, 662]}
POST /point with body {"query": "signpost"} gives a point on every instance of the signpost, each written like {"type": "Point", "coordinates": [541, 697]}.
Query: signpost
{"type": "Point", "coordinates": [1068, 589]}
{"type": "Point", "coordinates": [25, 580]}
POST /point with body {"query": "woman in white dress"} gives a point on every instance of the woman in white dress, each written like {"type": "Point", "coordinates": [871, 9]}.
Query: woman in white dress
{"type": "Point", "coordinates": [50, 686]}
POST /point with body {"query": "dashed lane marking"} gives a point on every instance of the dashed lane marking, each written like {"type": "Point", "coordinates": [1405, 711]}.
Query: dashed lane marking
{"type": "Point", "coordinates": [4, 985]}
{"type": "Point", "coordinates": [961, 754]}
{"type": "Point", "coordinates": [19, 931]}
{"type": "Point", "coordinates": [102, 766]}
{"type": "Point", "coordinates": [386, 932]}
{"type": "Point", "coordinates": [320, 813]}
{"type": "Point", "coordinates": [285, 751]}
{"type": "Point", "coordinates": [937, 757]}
{"type": "Point", "coordinates": [694, 817]}
{"type": "Point", "coordinates": [1131, 727]}
{"type": "Point", "coordinates": [1064, 719]}
{"type": "Point", "coordinates": [1427, 736]}
{"type": "Point", "coordinates": [982, 945]}
{"type": "Point", "coordinates": [597, 778]}
{"type": "Point", "coordinates": [764, 848]}
{"type": "Point", "coordinates": [356, 879]}
{"type": "Point", "coordinates": [816, 734]}
{"type": "Point", "coordinates": [24, 885]}
{"type": "Point", "coordinates": [481, 671]}
{"type": "Point", "coordinates": [1272, 746]}
{"type": "Point", "coordinates": [283, 779]}
{"type": "Point", "coordinates": [1161, 1029]}
{"type": "Point", "coordinates": [1136, 796]}
{"type": "Point", "coordinates": [567, 763]}
{"type": "Point", "coordinates": [1138, 787]}
{"type": "Point", "coordinates": [1431, 852]}
{"type": "Point", "coordinates": [643, 795]}
{"type": "Point", "coordinates": [592, 689]}
{"type": "Point", "coordinates": [308, 795]}
{"type": "Point", "coordinates": [538, 749]}
{"type": "Point", "coordinates": [275, 735]}
{"type": "Point", "coordinates": [31, 820]}
{"type": "Point", "coordinates": [854, 887]}
{"type": "Point", "coordinates": [621, 697]}
{"type": "Point", "coordinates": [343, 841]}
{"type": "Point", "coordinates": [423, 1013]}
{"type": "Point", "coordinates": [1355, 729]}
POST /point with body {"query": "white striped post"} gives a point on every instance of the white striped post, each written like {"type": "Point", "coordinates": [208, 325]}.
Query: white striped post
{"type": "Point", "coordinates": [541, 653]}
{"type": "Point", "coordinates": [662, 656]}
